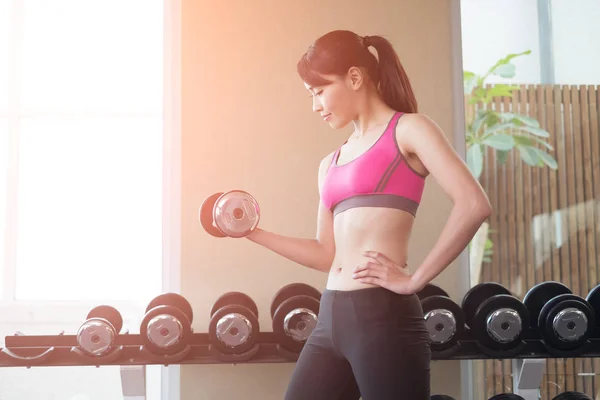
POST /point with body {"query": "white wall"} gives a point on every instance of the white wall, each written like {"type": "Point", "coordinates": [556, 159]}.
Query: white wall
{"type": "Point", "coordinates": [491, 29]}
{"type": "Point", "coordinates": [576, 32]}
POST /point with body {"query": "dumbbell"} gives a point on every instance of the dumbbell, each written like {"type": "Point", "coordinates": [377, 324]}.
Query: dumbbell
{"type": "Point", "coordinates": [572, 396]}
{"type": "Point", "coordinates": [167, 325]}
{"type": "Point", "coordinates": [496, 317]}
{"type": "Point", "coordinates": [294, 312]}
{"type": "Point", "coordinates": [444, 318]}
{"type": "Point", "coordinates": [232, 214]}
{"type": "Point", "coordinates": [234, 325]}
{"type": "Point", "coordinates": [563, 320]}
{"type": "Point", "coordinates": [506, 396]}
{"type": "Point", "coordinates": [96, 336]}
{"type": "Point", "coordinates": [593, 298]}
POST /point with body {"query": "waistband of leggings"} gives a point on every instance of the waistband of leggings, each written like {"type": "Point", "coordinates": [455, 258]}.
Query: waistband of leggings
{"type": "Point", "coordinates": [370, 292]}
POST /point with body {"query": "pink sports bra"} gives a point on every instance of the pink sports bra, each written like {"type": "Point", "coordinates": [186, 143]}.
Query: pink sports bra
{"type": "Point", "coordinates": [380, 177]}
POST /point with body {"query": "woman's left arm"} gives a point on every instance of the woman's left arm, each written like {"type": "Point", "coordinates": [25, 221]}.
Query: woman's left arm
{"type": "Point", "coordinates": [471, 207]}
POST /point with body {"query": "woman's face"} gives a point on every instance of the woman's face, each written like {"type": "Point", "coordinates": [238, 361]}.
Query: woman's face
{"type": "Point", "coordinates": [334, 101]}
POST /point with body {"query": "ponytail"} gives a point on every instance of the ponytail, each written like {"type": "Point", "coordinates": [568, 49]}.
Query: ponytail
{"type": "Point", "coordinates": [337, 51]}
{"type": "Point", "coordinates": [394, 85]}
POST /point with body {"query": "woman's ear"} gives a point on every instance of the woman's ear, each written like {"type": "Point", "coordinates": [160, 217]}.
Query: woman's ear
{"type": "Point", "coordinates": [355, 78]}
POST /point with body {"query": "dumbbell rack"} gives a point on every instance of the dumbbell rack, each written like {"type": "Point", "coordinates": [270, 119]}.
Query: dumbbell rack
{"type": "Point", "coordinates": [62, 350]}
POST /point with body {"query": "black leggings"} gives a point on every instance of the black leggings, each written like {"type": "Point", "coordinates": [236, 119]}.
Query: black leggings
{"type": "Point", "coordinates": [370, 342]}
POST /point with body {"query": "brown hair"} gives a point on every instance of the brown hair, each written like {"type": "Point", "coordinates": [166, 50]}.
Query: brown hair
{"type": "Point", "coordinates": [336, 52]}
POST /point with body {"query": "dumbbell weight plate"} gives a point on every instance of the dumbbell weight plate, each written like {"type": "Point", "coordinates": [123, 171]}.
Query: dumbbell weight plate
{"type": "Point", "coordinates": [593, 298]}
{"type": "Point", "coordinates": [572, 396]}
{"type": "Point", "coordinates": [476, 295]}
{"type": "Point", "coordinates": [441, 397]}
{"type": "Point", "coordinates": [238, 298]}
{"type": "Point", "coordinates": [540, 294]}
{"type": "Point", "coordinates": [506, 396]}
{"type": "Point", "coordinates": [236, 213]}
{"type": "Point", "coordinates": [109, 313]}
{"type": "Point", "coordinates": [290, 290]}
{"type": "Point", "coordinates": [233, 329]}
{"type": "Point", "coordinates": [500, 321]}
{"type": "Point", "coordinates": [294, 320]}
{"type": "Point", "coordinates": [205, 215]}
{"type": "Point", "coordinates": [566, 321]}
{"type": "Point", "coordinates": [443, 319]}
{"type": "Point", "coordinates": [174, 300]}
{"type": "Point", "coordinates": [431, 290]}
{"type": "Point", "coordinates": [96, 336]}
{"type": "Point", "coordinates": [165, 330]}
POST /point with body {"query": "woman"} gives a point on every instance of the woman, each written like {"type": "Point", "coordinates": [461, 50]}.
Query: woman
{"type": "Point", "coordinates": [371, 338]}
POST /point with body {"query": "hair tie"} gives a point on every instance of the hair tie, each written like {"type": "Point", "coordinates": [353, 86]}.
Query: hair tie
{"type": "Point", "coordinates": [367, 41]}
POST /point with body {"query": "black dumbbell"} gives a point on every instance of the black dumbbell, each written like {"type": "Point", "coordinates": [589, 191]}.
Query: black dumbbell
{"type": "Point", "coordinates": [506, 396]}
{"type": "Point", "coordinates": [572, 396]}
{"type": "Point", "coordinates": [232, 214]}
{"type": "Point", "coordinates": [496, 317]}
{"type": "Point", "coordinates": [444, 318]}
{"type": "Point", "coordinates": [593, 298]}
{"type": "Point", "coordinates": [96, 336]}
{"type": "Point", "coordinates": [563, 320]}
{"type": "Point", "coordinates": [167, 325]}
{"type": "Point", "coordinates": [234, 325]}
{"type": "Point", "coordinates": [294, 311]}
{"type": "Point", "coordinates": [441, 397]}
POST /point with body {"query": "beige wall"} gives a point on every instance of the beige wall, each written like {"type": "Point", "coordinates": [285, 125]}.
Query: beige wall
{"type": "Point", "coordinates": [247, 124]}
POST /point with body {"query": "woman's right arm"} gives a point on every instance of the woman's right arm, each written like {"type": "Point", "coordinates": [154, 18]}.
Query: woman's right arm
{"type": "Point", "coordinates": [312, 253]}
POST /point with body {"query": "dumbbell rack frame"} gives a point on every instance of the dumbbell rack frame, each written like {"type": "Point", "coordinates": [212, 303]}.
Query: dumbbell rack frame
{"type": "Point", "coordinates": [129, 350]}
{"type": "Point", "coordinates": [62, 350]}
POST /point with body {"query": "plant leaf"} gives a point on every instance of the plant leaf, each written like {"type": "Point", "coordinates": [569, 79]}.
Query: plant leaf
{"type": "Point", "coordinates": [475, 160]}
{"type": "Point", "coordinates": [523, 140]}
{"type": "Point", "coordinates": [546, 158]}
{"type": "Point", "coordinates": [505, 60]}
{"type": "Point", "coordinates": [543, 143]}
{"type": "Point", "coordinates": [535, 131]}
{"type": "Point", "coordinates": [529, 155]}
{"type": "Point", "coordinates": [523, 119]}
{"type": "Point", "coordinates": [501, 90]}
{"type": "Point", "coordinates": [469, 82]}
{"type": "Point", "coordinates": [500, 141]}
{"type": "Point", "coordinates": [481, 117]}
{"type": "Point", "coordinates": [501, 156]}
{"type": "Point", "coordinates": [505, 70]}
{"type": "Point", "coordinates": [496, 128]}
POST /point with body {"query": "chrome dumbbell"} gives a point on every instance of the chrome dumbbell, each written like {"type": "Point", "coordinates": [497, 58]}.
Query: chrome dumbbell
{"type": "Point", "coordinates": [97, 335]}
{"type": "Point", "coordinates": [167, 325]}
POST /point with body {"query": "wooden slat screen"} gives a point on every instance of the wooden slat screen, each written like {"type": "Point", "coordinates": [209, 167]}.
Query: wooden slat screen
{"type": "Point", "coordinates": [545, 222]}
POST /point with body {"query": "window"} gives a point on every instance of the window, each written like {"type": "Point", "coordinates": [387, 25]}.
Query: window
{"type": "Point", "coordinates": [83, 203]}
{"type": "Point", "coordinates": [81, 126]}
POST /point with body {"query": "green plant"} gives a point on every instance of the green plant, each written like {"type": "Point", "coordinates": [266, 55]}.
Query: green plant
{"type": "Point", "coordinates": [502, 131]}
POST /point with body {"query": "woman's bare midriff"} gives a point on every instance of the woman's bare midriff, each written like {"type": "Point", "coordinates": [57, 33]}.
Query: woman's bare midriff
{"type": "Point", "coordinates": [356, 230]}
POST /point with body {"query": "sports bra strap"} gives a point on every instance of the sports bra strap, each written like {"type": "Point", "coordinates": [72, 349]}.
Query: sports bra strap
{"type": "Point", "coordinates": [335, 156]}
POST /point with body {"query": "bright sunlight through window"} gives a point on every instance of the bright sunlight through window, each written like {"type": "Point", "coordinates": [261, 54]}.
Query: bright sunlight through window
{"type": "Point", "coordinates": [88, 101]}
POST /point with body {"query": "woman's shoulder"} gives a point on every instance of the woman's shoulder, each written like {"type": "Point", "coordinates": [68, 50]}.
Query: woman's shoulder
{"type": "Point", "coordinates": [325, 162]}
{"type": "Point", "coordinates": [415, 126]}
